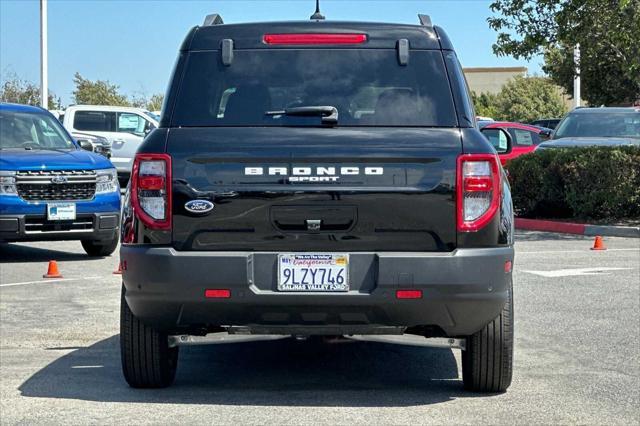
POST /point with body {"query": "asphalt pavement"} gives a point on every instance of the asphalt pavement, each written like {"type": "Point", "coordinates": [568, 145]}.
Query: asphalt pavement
{"type": "Point", "coordinates": [577, 355]}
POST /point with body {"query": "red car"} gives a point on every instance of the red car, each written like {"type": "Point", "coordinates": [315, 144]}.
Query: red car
{"type": "Point", "coordinates": [524, 137]}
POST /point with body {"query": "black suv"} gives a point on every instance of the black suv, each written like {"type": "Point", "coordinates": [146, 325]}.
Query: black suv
{"type": "Point", "coordinates": [317, 179]}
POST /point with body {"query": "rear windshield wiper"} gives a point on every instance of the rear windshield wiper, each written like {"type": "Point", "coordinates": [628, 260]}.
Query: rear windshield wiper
{"type": "Point", "coordinates": [329, 114]}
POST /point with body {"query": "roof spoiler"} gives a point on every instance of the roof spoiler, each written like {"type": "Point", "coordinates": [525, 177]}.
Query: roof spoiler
{"type": "Point", "coordinates": [213, 19]}
{"type": "Point", "coordinates": [425, 20]}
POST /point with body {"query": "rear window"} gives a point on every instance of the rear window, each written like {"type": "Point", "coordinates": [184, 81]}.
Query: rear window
{"type": "Point", "coordinates": [367, 86]}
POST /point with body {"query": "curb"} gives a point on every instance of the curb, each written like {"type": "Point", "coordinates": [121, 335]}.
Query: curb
{"type": "Point", "coordinates": [577, 228]}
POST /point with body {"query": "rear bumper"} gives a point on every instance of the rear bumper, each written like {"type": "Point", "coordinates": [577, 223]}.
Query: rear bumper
{"type": "Point", "coordinates": [462, 291]}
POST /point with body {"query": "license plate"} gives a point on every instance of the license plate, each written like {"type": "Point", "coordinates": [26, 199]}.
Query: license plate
{"type": "Point", "coordinates": [61, 211]}
{"type": "Point", "coordinates": [313, 272]}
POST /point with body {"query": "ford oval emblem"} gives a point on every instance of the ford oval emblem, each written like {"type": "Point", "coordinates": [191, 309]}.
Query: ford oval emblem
{"type": "Point", "coordinates": [199, 206]}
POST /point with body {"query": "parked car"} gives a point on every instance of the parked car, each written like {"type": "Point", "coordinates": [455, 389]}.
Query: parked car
{"type": "Point", "coordinates": [549, 123]}
{"type": "Point", "coordinates": [123, 127]}
{"type": "Point", "coordinates": [602, 126]}
{"type": "Point", "coordinates": [51, 188]}
{"type": "Point", "coordinates": [524, 138]}
{"type": "Point", "coordinates": [317, 178]}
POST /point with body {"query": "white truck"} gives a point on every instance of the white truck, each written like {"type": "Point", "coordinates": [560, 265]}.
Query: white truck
{"type": "Point", "coordinates": [124, 128]}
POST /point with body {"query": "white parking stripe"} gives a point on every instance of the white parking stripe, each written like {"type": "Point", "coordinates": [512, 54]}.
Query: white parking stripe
{"type": "Point", "coordinates": [55, 280]}
{"type": "Point", "coordinates": [575, 272]}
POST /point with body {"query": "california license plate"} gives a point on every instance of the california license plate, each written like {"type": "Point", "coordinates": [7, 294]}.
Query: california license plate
{"type": "Point", "coordinates": [313, 272]}
{"type": "Point", "coordinates": [61, 211]}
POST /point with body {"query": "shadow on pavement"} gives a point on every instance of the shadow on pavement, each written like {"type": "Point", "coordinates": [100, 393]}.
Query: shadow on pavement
{"type": "Point", "coordinates": [17, 253]}
{"type": "Point", "coordinates": [266, 373]}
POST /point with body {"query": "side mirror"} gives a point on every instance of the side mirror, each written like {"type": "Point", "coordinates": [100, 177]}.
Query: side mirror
{"type": "Point", "coordinates": [499, 138]}
{"type": "Point", "coordinates": [148, 128]}
{"type": "Point", "coordinates": [545, 135]}
{"type": "Point", "coordinates": [86, 145]}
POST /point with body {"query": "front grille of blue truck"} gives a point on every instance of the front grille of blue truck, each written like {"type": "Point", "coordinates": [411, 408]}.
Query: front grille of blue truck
{"type": "Point", "coordinates": [56, 185]}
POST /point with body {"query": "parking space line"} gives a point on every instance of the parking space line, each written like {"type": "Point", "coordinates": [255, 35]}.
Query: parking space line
{"type": "Point", "coordinates": [576, 272]}
{"type": "Point", "coordinates": [47, 281]}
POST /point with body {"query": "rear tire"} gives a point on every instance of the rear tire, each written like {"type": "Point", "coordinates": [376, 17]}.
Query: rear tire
{"type": "Point", "coordinates": [100, 248]}
{"type": "Point", "coordinates": [147, 359]}
{"type": "Point", "coordinates": [487, 362]}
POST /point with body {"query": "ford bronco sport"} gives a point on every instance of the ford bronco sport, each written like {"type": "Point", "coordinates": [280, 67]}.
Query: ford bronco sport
{"type": "Point", "coordinates": [317, 178]}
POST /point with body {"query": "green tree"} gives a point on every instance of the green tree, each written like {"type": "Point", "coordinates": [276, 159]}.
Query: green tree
{"type": "Point", "coordinates": [19, 91]}
{"type": "Point", "coordinates": [99, 92]}
{"type": "Point", "coordinates": [525, 99]}
{"type": "Point", "coordinates": [607, 31]}
{"type": "Point", "coordinates": [155, 102]}
{"type": "Point", "coordinates": [522, 99]}
{"type": "Point", "coordinates": [485, 104]}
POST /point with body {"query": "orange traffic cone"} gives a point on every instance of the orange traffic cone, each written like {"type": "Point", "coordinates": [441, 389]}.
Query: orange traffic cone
{"type": "Point", "coordinates": [52, 271]}
{"type": "Point", "coordinates": [598, 244]}
{"type": "Point", "coordinates": [118, 270]}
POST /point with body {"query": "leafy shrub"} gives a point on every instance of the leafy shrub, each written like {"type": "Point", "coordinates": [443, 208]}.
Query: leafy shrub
{"type": "Point", "coordinates": [584, 183]}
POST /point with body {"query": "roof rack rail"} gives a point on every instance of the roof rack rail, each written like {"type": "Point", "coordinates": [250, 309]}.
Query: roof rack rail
{"type": "Point", "coordinates": [425, 20]}
{"type": "Point", "coordinates": [213, 19]}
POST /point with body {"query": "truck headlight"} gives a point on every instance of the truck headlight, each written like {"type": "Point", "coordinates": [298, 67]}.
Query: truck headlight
{"type": "Point", "coordinates": [107, 181]}
{"type": "Point", "coordinates": [8, 183]}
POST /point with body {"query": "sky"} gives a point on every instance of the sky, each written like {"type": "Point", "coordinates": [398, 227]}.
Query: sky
{"type": "Point", "coordinates": [134, 43]}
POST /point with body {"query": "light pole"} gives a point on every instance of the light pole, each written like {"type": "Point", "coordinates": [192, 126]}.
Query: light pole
{"type": "Point", "coordinates": [576, 76]}
{"type": "Point", "coordinates": [44, 77]}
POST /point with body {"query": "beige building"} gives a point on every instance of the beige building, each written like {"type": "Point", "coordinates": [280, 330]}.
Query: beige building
{"type": "Point", "coordinates": [491, 80]}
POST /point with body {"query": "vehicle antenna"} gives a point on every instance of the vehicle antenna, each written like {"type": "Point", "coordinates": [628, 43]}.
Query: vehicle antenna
{"type": "Point", "coordinates": [317, 16]}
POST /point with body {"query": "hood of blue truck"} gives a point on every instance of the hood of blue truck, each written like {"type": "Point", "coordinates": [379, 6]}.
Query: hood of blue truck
{"type": "Point", "coordinates": [37, 159]}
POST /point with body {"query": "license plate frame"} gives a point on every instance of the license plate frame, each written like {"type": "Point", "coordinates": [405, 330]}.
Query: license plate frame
{"type": "Point", "coordinates": [61, 211]}
{"type": "Point", "coordinates": [297, 280]}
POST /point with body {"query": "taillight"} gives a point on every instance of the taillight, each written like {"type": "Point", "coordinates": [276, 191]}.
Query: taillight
{"type": "Point", "coordinates": [151, 190]}
{"type": "Point", "coordinates": [297, 39]}
{"type": "Point", "coordinates": [478, 190]}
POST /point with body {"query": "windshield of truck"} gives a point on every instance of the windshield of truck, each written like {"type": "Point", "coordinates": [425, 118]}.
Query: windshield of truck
{"type": "Point", "coordinates": [22, 130]}
{"type": "Point", "coordinates": [602, 124]}
{"type": "Point", "coordinates": [368, 87]}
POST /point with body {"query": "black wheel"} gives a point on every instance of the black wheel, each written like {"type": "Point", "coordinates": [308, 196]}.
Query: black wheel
{"type": "Point", "coordinates": [147, 359]}
{"type": "Point", "coordinates": [487, 362]}
{"type": "Point", "coordinates": [100, 248]}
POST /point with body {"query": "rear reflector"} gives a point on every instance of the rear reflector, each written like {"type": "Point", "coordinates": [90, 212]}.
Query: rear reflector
{"type": "Point", "coordinates": [508, 266]}
{"type": "Point", "coordinates": [409, 294]}
{"type": "Point", "coordinates": [294, 39]}
{"type": "Point", "coordinates": [217, 294]}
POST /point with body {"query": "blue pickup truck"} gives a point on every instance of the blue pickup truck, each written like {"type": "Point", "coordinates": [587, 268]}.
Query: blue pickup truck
{"type": "Point", "coordinates": [50, 187]}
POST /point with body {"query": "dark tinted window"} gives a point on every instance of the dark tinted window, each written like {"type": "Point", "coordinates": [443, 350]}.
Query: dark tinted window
{"type": "Point", "coordinates": [96, 121]}
{"type": "Point", "coordinates": [367, 86]}
{"type": "Point", "coordinates": [600, 124]}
